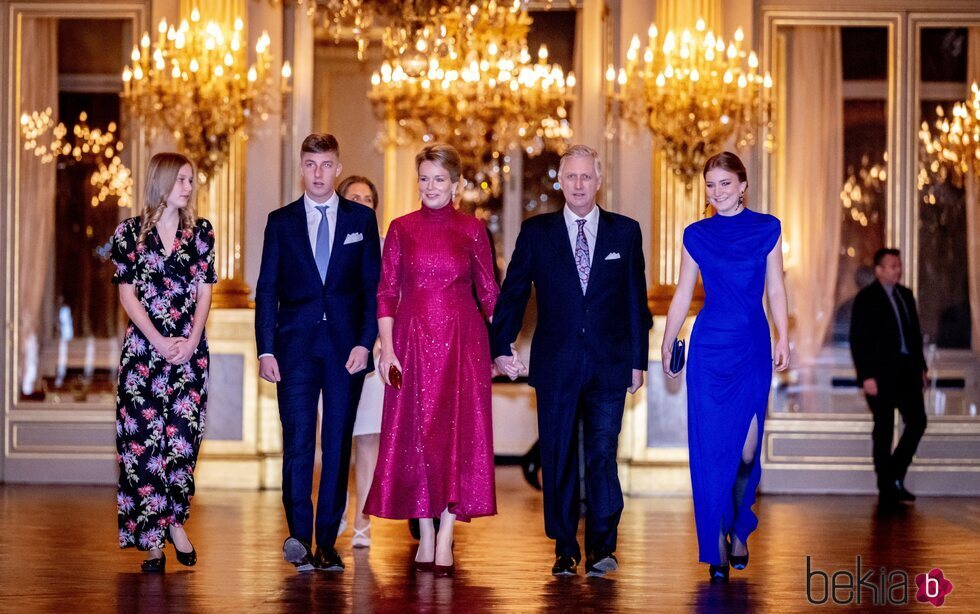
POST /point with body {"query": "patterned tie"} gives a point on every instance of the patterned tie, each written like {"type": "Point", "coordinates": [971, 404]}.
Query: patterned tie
{"type": "Point", "coordinates": [582, 256]}
{"type": "Point", "coordinates": [322, 252]}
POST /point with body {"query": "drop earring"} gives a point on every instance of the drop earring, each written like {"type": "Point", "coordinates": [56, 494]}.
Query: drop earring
{"type": "Point", "coordinates": [741, 199]}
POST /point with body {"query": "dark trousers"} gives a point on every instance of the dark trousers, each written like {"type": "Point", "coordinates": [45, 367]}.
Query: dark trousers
{"type": "Point", "coordinates": [304, 379]}
{"type": "Point", "coordinates": [601, 410]}
{"type": "Point", "coordinates": [903, 391]}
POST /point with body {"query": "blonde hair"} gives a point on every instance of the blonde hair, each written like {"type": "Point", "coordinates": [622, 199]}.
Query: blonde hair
{"type": "Point", "coordinates": [581, 151]}
{"type": "Point", "coordinates": [160, 180]}
{"type": "Point", "coordinates": [445, 156]}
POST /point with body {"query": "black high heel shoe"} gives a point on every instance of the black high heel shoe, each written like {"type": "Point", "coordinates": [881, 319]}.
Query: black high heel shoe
{"type": "Point", "coordinates": [718, 574]}
{"type": "Point", "coordinates": [737, 561]}
{"type": "Point", "coordinates": [154, 565]}
{"type": "Point", "coordinates": [187, 559]}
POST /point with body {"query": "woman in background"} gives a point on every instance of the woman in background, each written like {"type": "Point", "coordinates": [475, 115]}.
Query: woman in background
{"type": "Point", "coordinates": [367, 424]}
{"type": "Point", "coordinates": [729, 370]}
{"type": "Point", "coordinates": [164, 268]}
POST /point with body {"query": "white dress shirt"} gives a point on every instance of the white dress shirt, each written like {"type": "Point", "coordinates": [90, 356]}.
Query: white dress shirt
{"type": "Point", "coordinates": [591, 228]}
{"type": "Point", "coordinates": [313, 217]}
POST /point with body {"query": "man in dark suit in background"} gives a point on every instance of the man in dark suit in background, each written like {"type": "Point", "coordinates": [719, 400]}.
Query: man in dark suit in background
{"type": "Point", "coordinates": [886, 343]}
{"type": "Point", "coordinates": [589, 348]}
{"type": "Point", "coordinates": [315, 318]}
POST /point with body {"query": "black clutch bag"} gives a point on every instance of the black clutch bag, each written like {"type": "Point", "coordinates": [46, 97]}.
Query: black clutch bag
{"type": "Point", "coordinates": [677, 356]}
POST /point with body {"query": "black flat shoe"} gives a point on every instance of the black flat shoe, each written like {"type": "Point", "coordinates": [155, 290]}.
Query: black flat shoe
{"type": "Point", "coordinates": [187, 559]}
{"type": "Point", "coordinates": [154, 565]}
{"type": "Point", "coordinates": [327, 559]}
{"type": "Point", "coordinates": [564, 566]}
{"type": "Point", "coordinates": [600, 563]}
{"type": "Point", "coordinates": [298, 553]}
{"type": "Point", "coordinates": [718, 574]}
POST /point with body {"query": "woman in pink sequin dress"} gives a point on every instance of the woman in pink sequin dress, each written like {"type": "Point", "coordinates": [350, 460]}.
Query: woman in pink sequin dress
{"type": "Point", "coordinates": [437, 290]}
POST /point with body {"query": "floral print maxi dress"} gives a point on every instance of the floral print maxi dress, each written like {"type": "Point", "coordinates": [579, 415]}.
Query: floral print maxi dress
{"type": "Point", "coordinates": [160, 408]}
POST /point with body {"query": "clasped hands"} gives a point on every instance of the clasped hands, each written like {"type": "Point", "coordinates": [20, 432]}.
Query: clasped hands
{"type": "Point", "coordinates": [176, 350]}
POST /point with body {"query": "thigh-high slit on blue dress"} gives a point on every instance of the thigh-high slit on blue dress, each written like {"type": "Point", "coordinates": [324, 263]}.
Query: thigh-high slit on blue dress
{"type": "Point", "coordinates": [729, 370]}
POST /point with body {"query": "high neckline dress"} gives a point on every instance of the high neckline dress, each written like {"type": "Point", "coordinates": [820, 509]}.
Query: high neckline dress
{"type": "Point", "coordinates": [729, 369]}
{"type": "Point", "coordinates": [436, 446]}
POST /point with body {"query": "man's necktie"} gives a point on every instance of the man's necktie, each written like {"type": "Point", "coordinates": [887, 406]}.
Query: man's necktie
{"type": "Point", "coordinates": [322, 252]}
{"type": "Point", "coordinates": [903, 320]}
{"type": "Point", "coordinates": [582, 256]}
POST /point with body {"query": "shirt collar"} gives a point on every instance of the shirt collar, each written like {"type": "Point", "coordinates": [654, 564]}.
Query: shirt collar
{"type": "Point", "coordinates": [311, 204]}
{"type": "Point", "coordinates": [590, 219]}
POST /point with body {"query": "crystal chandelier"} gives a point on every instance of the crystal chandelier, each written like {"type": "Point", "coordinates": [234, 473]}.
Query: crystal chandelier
{"type": "Point", "coordinates": [399, 19]}
{"type": "Point", "coordinates": [469, 80]}
{"type": "Point", "coordinates": [110, 179]}
{"type": "Point", "coordinates": [694, 93]}
{"type": "Point", "coordinates": [952, 151]}
{"type": "Point", "coordinates": [192, 82]}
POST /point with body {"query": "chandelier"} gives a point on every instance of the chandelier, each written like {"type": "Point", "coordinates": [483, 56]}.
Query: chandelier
{"type": "Point", "coordinates": [863, 190]}
{"type": "Point", "coordinates": [192, 82]}
{"type": "Point", "coordinates": [469, 80]}
{"type": "Point", "coordinates": [356, 18]}
{"type": "Point", "coordinates": [694, 93]}
{"type": "Point", "coordinates": [951, 152]}
{"type": "Point", "coordinates": [111, 178]}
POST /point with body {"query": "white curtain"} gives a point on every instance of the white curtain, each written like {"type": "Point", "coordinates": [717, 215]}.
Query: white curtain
{"type": "Point", "coordinates": [810, 181]}
{"type": "Point", "coordinates": [36, 187]}
{"type": "Point", "coordinates": [973, 206]}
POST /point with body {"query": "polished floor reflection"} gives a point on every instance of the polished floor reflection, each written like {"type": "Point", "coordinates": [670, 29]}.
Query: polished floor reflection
{"type": "Point", "coordinates": [58, 554]}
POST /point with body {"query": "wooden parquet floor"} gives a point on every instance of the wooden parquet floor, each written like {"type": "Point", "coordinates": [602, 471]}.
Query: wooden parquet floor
{"type": "Point", "coordinates": [58, 554]}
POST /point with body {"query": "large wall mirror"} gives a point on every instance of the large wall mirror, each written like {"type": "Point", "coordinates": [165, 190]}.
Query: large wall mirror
{"type": "Point", "coordinates": [67, 173]}
{"type": "Point", "coordinates": [68, 315]}
{"type": "Point", "coordinates": [851, 173]}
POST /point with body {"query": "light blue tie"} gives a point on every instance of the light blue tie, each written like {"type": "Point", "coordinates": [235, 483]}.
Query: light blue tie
{"type": "Point", "coordinates": [322, 252]}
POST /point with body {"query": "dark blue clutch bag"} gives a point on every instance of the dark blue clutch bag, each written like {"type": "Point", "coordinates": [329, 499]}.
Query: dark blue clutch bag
{"type": "Point", "coordinates": [677, 356]}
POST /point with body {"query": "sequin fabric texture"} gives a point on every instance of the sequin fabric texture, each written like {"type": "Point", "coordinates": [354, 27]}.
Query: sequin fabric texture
{"type": "Point", "coordinates": [436, 432]}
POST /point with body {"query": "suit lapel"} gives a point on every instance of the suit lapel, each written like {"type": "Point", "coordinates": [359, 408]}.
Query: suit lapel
{"type": "Point", "coordinates": [600, 250]}
{"type": "Point", "coordinates": [563, 248]}
{"type": "Point", "coordinates": [341, 230]}
{"type": "Point", "coordinates": [301, 230]}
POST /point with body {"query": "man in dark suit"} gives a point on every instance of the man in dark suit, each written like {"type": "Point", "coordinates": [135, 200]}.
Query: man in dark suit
{"type": "Point", "coordinates": [589, 348]}
{"type": "Point", "coordinates": [315, 318]}
{"type": "Point", "coordinates": [886, 343]}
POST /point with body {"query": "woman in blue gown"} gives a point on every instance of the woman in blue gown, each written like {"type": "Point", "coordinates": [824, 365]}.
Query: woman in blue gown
{"type": "Point", "coordinates": [729, 367]}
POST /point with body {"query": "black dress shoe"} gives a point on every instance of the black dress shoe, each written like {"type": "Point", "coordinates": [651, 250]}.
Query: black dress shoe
{"type": "Point", "coordinates": [327, 559]}
{"type": "Point", "coordinates": [718, 574]}
{"type": "Point", "coordinates": [564, 566]}
{"type": "Point", "coordinates": [154, 565]}
{"type": "Point", "coordinates": [297, 553]}
{"type": "Point", "coordinates": [187, 559]}
{"type": "Point", "coordinates": [600, 563]}
{"type": "Point", "coordinates": [901, 493]}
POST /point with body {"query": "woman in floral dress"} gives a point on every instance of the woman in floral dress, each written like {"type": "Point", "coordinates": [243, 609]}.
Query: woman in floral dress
{"type": "Point", "coordinates": [164, 268]}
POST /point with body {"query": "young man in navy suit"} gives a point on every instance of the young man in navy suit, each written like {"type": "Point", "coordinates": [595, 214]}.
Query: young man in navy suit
{"type": "Point", "coordinates": [589, 348]}
{"type": "Point", "coordinates": [315, 318]}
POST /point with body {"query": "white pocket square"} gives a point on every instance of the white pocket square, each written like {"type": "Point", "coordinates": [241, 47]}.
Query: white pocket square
{"type": "Point", "coordinates": [613, 256]}
{"type": "Point", "coordinates": [353, 237]}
